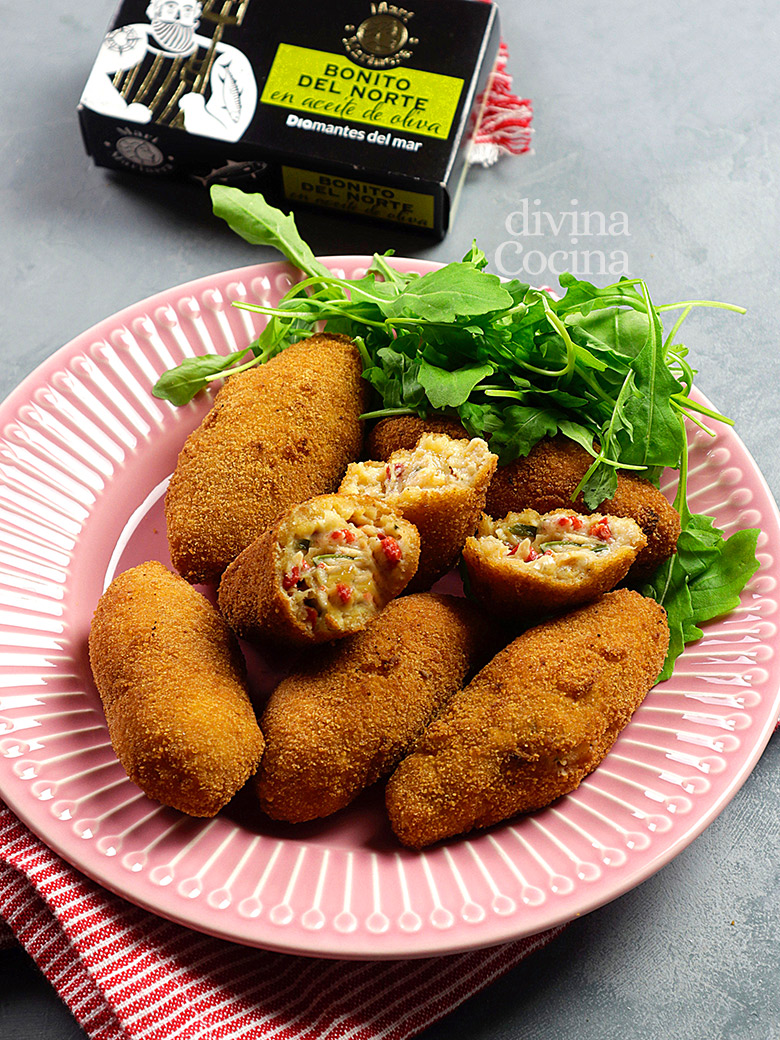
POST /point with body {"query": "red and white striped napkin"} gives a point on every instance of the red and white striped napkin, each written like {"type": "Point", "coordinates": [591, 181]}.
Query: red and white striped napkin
{"type": "Point", "coordinates": [129, 975]}
{"type": "Point", "coordinates": [505, 123]}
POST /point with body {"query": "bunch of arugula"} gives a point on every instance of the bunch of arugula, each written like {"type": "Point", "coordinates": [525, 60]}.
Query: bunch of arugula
{"type": "Point", "coordinates": [514, 364]}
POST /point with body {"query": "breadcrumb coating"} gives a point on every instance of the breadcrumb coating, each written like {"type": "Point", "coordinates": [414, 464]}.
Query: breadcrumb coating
{"type": "Point", "coordinates": [348, 715]}
{"type": "Point", "coordinates": [277, 434]}
{"type": "Point", "coordinates": [173, 685]}
{"type": "Point", "coordinates": [533, 723]}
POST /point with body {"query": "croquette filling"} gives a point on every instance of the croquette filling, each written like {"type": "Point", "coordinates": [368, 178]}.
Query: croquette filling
{"type": "Point", "coordinates": [336, 567]}
{"type": "Point", "coordinates": [437, 461]}
{"type": "Point", "coordinates": [561, 541]}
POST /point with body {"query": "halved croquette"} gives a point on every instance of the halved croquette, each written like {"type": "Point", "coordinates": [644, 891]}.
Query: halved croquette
{"type": "Point", "coordinates": [440, 486]}
{"type": "Point", "coordinates": [527, 564]}
{"type": "Point", "coordinates": [547, 479]}
{"type": "Point", "coordinates": [323, 570]}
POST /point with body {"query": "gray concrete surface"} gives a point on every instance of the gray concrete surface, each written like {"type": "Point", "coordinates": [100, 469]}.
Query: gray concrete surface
{"type": "Point", "coordinates": [665, 114]}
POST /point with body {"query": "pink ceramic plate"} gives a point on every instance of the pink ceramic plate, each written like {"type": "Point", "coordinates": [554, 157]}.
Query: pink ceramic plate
{"type": "Point", "coordinates": [85, 452]}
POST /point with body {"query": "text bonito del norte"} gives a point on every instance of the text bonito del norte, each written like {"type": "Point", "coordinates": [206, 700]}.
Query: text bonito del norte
{"type": "Point", "coordinates": [366, 85]}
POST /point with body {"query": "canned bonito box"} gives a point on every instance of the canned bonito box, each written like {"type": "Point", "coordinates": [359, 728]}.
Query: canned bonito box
{"type": "Point", "coordinates": [364, 108]}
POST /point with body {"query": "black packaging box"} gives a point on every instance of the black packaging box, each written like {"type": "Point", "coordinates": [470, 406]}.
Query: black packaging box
{"type": "Point", "coordinates": [362, 108]}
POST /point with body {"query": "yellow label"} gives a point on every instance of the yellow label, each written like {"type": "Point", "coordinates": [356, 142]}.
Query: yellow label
{"type": "Point", "coordinates": [353, 196]}
{"type": "Point", "coordinates": [324, 84]}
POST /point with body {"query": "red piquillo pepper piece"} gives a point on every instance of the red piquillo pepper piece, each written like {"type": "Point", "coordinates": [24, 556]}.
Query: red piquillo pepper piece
{"type": "Point", "coordinates": [391, 549]}
{"type": "Point", "coordinates": [343, 535]}
{"type": "Point", "coordinates": [290, 580]}
{"type": "Point", "coordinates": [601, 530]}
{"type": "Point", "coordinates": [344, 592]}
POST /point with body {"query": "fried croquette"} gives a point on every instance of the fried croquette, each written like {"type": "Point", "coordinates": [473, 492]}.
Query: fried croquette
{"type": "Point", "coordinates": [547, 478]}
{"type": "Point", "coordinates": [533, 723]}
{"type": "Point", "coordinates": [277, 434]}
{"type": "Point", "coordinates": [404, 431]}
{"type": "Point", "coordinates": [173, 685]}
{"type": "Point", "coordinates": [440, 486]}
{"type": "Point", "coordinates": [346, 718]}
{"type": "Point", "coordinates": [527, 565]}
{"type": "Point", "coordinates": [321, 571]}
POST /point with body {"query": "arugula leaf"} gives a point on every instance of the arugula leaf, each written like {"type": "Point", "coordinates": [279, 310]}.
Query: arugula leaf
{"type": "Point", "coordinates": [370, 290]}
{"type": "Point", "coordinates": [480, 420]}
{"type": "Point", "coordinates": [599, 485]}
{"type": "Point", "coordinates": [450, 292]}
{"type": "Point", "coordinates": [522, 427]}
{"type": "Point", "coordinates": [476, 256]}
{"type": "Point", "coordinates": [260, 224]}
{"type": "Point", "coordinates": [582, 297]}
{"type": "Point", "coordinates": [577, 432]}
{"type": "Point", "coordinates": [703, 580]}
{"type": "Point", "coordinates": [396, 378]}
{"type": "Point", "coordinates": [179, 385]}
{"type": "Point", "coordinates": [621, 331]}
{"type": "Point", "coordinates": [450, 389]}
{"type": "Point", "coordinates": [379, 265]}
{"type": "Point", "coordinates": [716, 589]}
{"type": "Point", "coordinates": [649, 407]}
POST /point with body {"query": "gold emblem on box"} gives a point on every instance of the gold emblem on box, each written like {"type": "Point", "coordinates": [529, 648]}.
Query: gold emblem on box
{"type": "Point", "coordinates": [382, 40]}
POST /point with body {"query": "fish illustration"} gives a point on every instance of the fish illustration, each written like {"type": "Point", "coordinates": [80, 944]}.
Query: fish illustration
{"type": "Point", "coordinates": [231, 93]}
